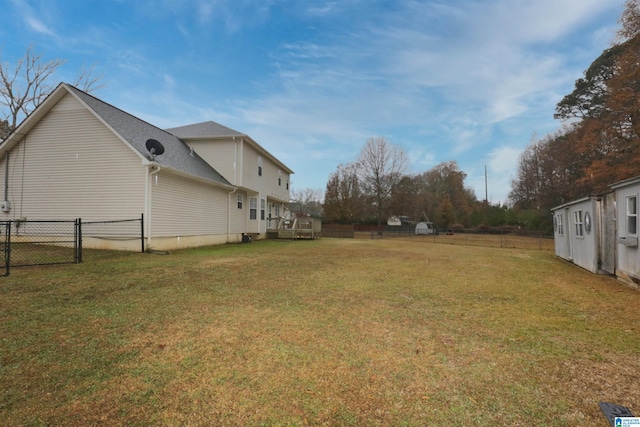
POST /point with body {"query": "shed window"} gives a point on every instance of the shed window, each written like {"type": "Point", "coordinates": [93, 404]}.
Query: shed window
{"type": "Point", "coordinates": [240, 201]}
{"type": "Point", "coordinates": [559, 225]}
{"type": "Point", "coordinates": [262, 207]}
{"type": "Point", "coordinates": [632, 215]}
{"type": "Point", "coordinates": [253, 208]}
{"type": "Point", "coordinates": [578, 221]}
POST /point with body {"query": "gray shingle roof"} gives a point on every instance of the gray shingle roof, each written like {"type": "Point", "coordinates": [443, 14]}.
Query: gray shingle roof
{"type": "Point", "coordinates": [177, 155]}
{"type": "Point", "coordinates": [204, 130]}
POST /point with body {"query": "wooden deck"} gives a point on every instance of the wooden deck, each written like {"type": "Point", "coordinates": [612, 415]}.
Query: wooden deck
{"type": "Point", "coordinates": [295, 228]}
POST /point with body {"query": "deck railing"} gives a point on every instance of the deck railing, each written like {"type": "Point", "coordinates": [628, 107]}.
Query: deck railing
{"type": "Point", "coordinates": [295, 228]}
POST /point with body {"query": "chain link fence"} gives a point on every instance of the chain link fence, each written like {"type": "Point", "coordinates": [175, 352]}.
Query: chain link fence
{"type": "Point", "coordinates": [47, 242]}
{"type": "Point", "coordinates": [500, 238]}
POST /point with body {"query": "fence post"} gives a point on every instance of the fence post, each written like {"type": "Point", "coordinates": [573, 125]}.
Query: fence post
{"type": "Point", "coordinates": [142, 231]}
{"type": "Point", "coordinates": [7, 248]}
{"type": "Point", "coordinates": [78, 240]}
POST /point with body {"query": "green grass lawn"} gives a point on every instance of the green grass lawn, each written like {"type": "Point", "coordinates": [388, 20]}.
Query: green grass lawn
{"type": "Point", "coordinates": [326, 332]}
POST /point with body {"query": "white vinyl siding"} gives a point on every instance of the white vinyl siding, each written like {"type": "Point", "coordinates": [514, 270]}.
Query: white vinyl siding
{"type": "Point", "coordinates": [238, 218]}
{"type": "Point", "coordinates": [185, 207]}
{"type": "Point", "coordinates": [267, 184]}
{"type": "Point", "coordinates": [221, 154]}
{"type": "Point", "coordinates": [74, 167]}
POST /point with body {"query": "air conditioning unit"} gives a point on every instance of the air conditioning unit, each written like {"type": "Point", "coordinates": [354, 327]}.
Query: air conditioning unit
{"type": "Point", "coordinates": [6, 206]}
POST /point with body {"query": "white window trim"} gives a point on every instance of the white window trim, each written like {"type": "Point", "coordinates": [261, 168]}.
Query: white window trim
{"type": "Point", "coordinates": [577, 217]}
{"type": "Point", "coordinates": [560, 225]}
{"type": "Point", "coordinates": [253, 208]}
{"type": "Point", "coordinates": [632, 215]}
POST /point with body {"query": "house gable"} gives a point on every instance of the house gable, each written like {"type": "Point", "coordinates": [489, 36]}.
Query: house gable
{"type": "Point", "coordinates": [70, 164]}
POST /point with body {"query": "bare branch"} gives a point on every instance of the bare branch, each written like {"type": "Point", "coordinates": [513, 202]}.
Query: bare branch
{"type": "Point", "coordinates": [24, 86]}
{"type": "Point", "coordinates": [87, 80]}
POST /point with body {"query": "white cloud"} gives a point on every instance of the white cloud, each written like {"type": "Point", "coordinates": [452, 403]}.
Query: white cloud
{"type": "Point", "coordinates": [33, 20]}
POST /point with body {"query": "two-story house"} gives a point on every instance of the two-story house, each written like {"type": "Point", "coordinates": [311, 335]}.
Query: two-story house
{"type": "Point", "coordinates": [76, 156]}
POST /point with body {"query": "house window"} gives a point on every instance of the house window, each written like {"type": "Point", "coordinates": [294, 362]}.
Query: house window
{"type": "Point", "coordinates": [253, 208]}
{"type": "Point", "coordinates": [259, 166]}
{"type": "Point", "coordinates": [279, 178]}
{"type": "Point", "coordinates": [578, 220]}
{"type": "Point", "coordinates": [287, 185]}
{"type": "Point", "coordinates": [632, 215]}
{"type": "Point", "coordinates": [277, 211]}
{"type": "Point", "coordinates": [559, 225]}
{"type": "Point", "coordinates": [240, 200]}
{"type": "Point", "coordinates": [262, 208]}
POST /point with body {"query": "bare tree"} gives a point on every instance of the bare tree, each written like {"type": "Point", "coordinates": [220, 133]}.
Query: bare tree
{"type": "Point", "coordinates": [343, 196]}
{"type": "Point", "coordinates": [381, 166]}
{"type": "Point", "coordinates": [25, 85]}
{"type": "Point", "coordinates": [306, 201]}
{"type": "Point", "coordinates": [28, 82]}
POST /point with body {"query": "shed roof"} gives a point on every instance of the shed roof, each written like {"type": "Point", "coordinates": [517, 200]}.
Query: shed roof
{"type": "Point", "coordinates": [626, 182]}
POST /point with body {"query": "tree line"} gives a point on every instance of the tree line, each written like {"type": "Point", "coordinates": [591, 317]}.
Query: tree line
{"type": "Point", "coordinates": [599, 142]}
{"type": "Point", "coordinates": [377, 186]}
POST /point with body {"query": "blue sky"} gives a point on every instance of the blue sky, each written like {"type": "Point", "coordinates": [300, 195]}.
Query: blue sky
{"type": "Point", "coordinates": [465, 80]}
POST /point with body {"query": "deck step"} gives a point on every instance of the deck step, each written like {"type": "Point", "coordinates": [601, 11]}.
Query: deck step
{"type": "Point", "coordinates": [286, 234]}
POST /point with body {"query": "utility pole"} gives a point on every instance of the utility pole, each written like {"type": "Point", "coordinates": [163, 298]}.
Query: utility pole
{"type": "Point", "coordinates": [486, 191]}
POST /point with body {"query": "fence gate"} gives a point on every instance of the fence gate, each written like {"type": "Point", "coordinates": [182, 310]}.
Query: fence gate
{"type": "Point", "coordinates": [29, 243]}
{"type": "Point", "coordinates": [32, 243]}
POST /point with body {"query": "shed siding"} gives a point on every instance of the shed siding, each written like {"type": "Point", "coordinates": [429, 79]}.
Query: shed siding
{"type": "Point", "coordinates": [71, 165]}
{"type": "Point", "coordinates": [583, 248]}
{"type": "Point", "coordinates": [607, 229]}
{"type": "Point", "coordinates": [184, 207]}
{"type": "Point", "coordinates": [628, 255]}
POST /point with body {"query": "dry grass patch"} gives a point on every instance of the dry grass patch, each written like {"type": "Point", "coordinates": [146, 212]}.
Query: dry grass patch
{"type": "Point", "coordinates": [329, 332]}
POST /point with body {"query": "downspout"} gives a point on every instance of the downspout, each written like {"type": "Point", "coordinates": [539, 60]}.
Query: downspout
{"type": "Point", "coordinates": [152, 170]}
{"type": "Point", "coordinates": [229, 215]}
{"type": "Point", "coordinates": [6, 176]}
